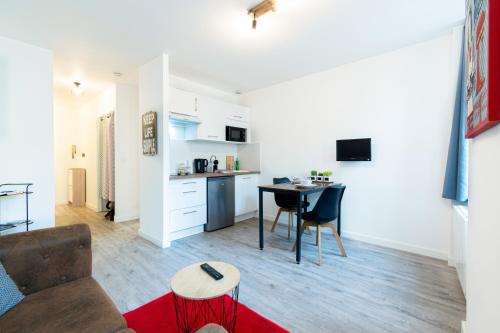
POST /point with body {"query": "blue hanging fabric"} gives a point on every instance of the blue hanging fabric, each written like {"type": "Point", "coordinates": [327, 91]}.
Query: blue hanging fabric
{"type": "Point", "coordinates": [456, 177]}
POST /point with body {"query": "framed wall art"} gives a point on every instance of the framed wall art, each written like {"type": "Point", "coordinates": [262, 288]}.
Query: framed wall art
{"type": "Point", "coordinates": [482, 47]}
{"type": "Point", "coordinates": [149, 134]}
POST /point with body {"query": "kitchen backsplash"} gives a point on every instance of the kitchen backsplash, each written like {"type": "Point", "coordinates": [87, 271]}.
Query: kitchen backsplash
{"type": "Point", "coordinates": [182, 151]}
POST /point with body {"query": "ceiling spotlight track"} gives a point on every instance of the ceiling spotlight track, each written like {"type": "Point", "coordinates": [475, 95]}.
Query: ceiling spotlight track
{"type": "Point", "coordinates": [260, 9]}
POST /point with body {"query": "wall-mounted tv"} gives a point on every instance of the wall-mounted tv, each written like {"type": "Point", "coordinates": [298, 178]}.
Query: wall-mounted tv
{"type": "Point", "coordinates": [354, 150]}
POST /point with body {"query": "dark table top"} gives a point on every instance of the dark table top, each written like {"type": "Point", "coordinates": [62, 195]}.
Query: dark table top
{"type": "Point", "coordinates": [291, 188]}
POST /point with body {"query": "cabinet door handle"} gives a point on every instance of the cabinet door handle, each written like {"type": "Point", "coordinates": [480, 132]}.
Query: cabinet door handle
{"type": "Point", "coordinates": [191, 212]}
{"type": "Point", "coordinates": [237, 116]}
{"type": "Point", "coordinates": [247, 177]}
{"type": "Point", "coordinates": [213, 136]}
{"type": "Point", "coordinates": [185, 192]}
{"type": "Point", "coordinates": [187, 183]}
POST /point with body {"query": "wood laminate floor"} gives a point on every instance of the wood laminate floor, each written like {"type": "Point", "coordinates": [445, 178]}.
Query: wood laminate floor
{"type": "Point", "coordinates": [373, 290]}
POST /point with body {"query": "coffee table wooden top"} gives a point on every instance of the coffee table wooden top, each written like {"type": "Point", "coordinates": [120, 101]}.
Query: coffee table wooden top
{"type": "Point", "coordinates": [193, 283]}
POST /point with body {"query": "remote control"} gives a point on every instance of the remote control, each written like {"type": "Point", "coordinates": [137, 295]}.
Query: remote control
{"type": "Point", "coordinates": [211, 271]}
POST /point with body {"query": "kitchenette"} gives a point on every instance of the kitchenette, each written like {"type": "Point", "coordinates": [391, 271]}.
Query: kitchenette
{"type": "Point", "coordinates": [214, 165]}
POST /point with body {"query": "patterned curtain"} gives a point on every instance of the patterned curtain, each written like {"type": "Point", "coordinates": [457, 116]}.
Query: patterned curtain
{"type": "Point", "coordinates": [106, 186]}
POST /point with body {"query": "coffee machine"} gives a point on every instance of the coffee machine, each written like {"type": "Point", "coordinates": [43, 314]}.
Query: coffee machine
{"type": "Point", "coordinates": [200, 165]}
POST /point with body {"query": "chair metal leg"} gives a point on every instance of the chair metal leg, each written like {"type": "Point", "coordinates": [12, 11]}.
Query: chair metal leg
{"type": "Point", "coordinates": [276, 220]}
{"type": "Point", "coordinates": [339, 241]}
{"type": "Point", "coordinates": [318, 240]}
{"type": "Point", "coordinates": [289, 223]}
{"type": "Point", "coordinates": [301, 232]}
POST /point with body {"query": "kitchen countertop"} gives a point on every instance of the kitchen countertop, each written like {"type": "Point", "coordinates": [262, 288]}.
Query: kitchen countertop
{"type": "Point", "coordinates": [211, 174]}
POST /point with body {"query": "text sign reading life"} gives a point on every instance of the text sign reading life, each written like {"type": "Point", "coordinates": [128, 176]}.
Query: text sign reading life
{"type": "Point", "coordinates": [149, 137]}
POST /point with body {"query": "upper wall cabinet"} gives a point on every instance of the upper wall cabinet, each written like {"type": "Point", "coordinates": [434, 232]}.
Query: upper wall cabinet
{"type": "Point", "coordinates": [213, 115]}
{"type": "Point", "coordinates": [212, 120]}
{"type": "Point", "coordinates": [238, 113]}
{"type": "Point", "coordinates": [182, 102]}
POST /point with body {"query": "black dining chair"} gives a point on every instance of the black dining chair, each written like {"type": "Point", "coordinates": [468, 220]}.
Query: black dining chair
{"type": "Point", "coordinates": [286, 203]}
{"type": "Point", "coordinates": [327, 209]}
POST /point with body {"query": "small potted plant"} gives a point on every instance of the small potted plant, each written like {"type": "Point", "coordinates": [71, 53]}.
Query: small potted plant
{"type": "Point", "coordinates": [327, 176]}
{"type": "Point", "coordinates": [314, 175]}
{"type": "Point", "coordinates": [320, 177]}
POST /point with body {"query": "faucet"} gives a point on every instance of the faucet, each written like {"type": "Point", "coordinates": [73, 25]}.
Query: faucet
{"type": "Point", "coordinates": [214, 162]}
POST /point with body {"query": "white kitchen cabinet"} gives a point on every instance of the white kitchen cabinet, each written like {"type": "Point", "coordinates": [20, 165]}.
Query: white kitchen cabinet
{"type": "Point", "coordinates": [237, 112]}
{"type": "Point", "coordinates": [211, 113]}
{"type": "Point", "coordinates": [246, 194]}
{"type": "Point", "coordinates": [187, 200]}
{"type": "Point", "coordinates": [182, 102]}
{"type": "Point", "coordinates": [182, 219]}
{"type": "Point", "coordinates": [187, 193]}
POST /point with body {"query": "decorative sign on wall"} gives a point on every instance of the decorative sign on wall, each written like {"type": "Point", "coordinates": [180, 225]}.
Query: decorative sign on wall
{"type": "Point", "coordinates": [149, 134]}
{"type": "Point", "coordinates": [482, 33]}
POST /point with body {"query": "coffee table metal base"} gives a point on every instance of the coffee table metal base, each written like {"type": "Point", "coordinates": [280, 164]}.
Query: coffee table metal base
{"type": "Point", "coordinates": [194, 314]}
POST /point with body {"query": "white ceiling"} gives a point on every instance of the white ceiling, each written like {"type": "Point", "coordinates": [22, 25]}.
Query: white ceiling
{"type": "Point", "coordinates": [212, 40]}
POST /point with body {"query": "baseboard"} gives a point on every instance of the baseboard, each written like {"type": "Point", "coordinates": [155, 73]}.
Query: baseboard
{"type": "Point", "coordinates": [464, 326]}
{"type": "Point", "coordinates": [395, 245]}
{"type": "Point", "coordinates": [244, 217]}
{"type": "Point", "coordinates": [93, 207]}
{"type": "Point", "coordinates": [186, 232]}
{"type": "Point", "coordinates": [126, 218]}
{"type": "Point", "coordinates": [154, 240]}
{"type": "Point", "coordinates": [376, 241]}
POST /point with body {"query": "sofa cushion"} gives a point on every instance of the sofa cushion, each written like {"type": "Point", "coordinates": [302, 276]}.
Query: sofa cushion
{"type": "Point", "coordinates": [77, 306]}
{"type": "Point", "coordinates": [10, 296]}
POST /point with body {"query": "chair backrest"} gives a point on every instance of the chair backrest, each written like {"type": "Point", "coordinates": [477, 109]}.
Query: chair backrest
{"type": "Point", "coordinates": [328, 206]}
{"type": "Point", "coordinates": [283, 200]}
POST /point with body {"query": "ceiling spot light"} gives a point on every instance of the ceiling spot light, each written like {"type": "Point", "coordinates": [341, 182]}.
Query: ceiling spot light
{"type": "Point", "coordinates": [260, 9]}
{"type": "Point", "coordinates": [77, 89]}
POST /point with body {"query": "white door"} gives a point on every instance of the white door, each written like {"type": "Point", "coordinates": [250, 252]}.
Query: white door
{"type": "Point", "coordinates": [182, 102]}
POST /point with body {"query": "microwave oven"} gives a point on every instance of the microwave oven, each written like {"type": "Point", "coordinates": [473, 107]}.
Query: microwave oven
{"type": "Point", "coordinates": [236, 134]}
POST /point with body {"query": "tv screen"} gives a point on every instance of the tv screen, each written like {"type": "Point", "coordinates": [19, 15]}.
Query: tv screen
{"type": "Point", "coordinates": [354, 150]}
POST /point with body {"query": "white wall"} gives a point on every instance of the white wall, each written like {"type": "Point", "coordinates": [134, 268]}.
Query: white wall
{"type": "Point", "coordinates": [188, 85]}
{"type": "Point", "coordinates": [403, 100]}
{"type": "Point", "coordinates": [154, 170]}
{"type": "Point", "coordinates": [26, 129]}
{"type": "Point", "coordinates": [66, 133]}
{"type": "Point", "coordinates": [127, 144]}
{"type": "Point", "coordinates": [483, 264]}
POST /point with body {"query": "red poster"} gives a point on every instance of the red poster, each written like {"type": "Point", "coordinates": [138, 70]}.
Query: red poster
{"type": "Point", "coordinates": [483, 65]}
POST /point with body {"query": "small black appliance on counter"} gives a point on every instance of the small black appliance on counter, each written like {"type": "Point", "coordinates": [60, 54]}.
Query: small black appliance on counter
{"type": "Point", "coordinates": [200, 165]}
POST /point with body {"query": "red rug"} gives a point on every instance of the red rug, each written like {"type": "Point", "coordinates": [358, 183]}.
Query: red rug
{"type": "Point", "coordinates": [158, 316]}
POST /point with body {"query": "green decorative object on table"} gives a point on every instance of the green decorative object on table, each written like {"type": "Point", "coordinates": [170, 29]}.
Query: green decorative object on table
{"type": "Point", "coordinates": [327, 175]}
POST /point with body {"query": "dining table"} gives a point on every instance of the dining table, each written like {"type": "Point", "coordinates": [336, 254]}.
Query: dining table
{"type": "Point", "coordinates": [301, 192]}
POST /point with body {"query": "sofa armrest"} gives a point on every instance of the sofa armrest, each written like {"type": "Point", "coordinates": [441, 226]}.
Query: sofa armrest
{"type": "Point", "coordinates": [45, 258]}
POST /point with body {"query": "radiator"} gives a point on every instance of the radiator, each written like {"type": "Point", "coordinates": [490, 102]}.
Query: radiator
{"type": "Point", "coordinates": [458, 243]}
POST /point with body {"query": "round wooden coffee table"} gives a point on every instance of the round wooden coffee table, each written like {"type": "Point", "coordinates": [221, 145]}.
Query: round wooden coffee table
{"type": "Point", "coordinates": [199, 299]}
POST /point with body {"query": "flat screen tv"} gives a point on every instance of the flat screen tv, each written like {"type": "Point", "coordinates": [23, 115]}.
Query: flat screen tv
{"type": "Point", "coordinates": [354, 150]}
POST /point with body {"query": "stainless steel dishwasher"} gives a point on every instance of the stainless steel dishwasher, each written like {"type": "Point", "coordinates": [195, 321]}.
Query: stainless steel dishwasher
{"type": "Point", "coordinates": [220, 203]}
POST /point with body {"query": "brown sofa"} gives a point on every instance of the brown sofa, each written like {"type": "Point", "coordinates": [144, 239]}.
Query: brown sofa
{"type": "Point", "coordinates": [53, 267]}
